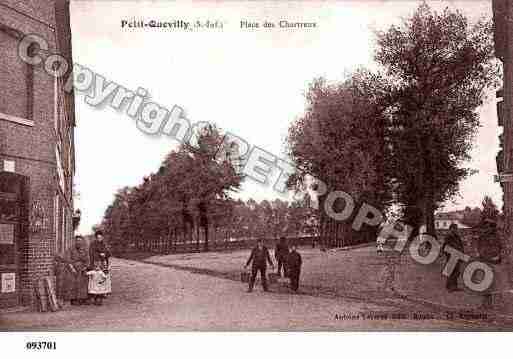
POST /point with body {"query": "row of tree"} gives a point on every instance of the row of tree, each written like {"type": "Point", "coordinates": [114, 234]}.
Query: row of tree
{"type": "Point", "coordinates": [188, 202]}
{"type": "Point", "coordinates": [187, 196]}
{"type": "Point", "coordinates": [272, 219]}
{"type": "Point", "coordinates": [400, 136]}
{"type": "Point", "coordinates": [397, 137]}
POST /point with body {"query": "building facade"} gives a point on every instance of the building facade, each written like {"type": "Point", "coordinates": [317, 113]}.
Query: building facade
{"type": "Point", "coordinates": [37, 155]}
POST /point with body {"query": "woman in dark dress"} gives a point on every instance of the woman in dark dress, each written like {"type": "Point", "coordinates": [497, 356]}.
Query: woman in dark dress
{"type": "Point", "coordinates": [100, 252]}
{"type": "Point", "coordinates": [80, 260]}
{"type": "Point", "coordinates": [71, 278]}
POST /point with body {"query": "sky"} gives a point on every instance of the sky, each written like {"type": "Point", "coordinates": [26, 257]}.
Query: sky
{"type": "Point", "coordinates": [249, 82]}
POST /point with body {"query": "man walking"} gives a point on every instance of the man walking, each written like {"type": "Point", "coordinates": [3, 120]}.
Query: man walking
{"type": "Point", "coordinates": [259, 258]}
{"type": "Point", "coordinates": [294, 262]}
{"type": "Point", "coordinates": [280, 254]}
{"type": "Point", "coordinates": [453, 240]}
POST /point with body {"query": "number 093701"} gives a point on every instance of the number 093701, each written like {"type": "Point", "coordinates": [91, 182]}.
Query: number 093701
{"type": "Point", "coordinates": [41, 345]}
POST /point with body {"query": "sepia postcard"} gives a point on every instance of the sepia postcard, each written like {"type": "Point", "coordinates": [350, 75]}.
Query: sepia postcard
{"type": "Point", "coordinates": [275, 166]}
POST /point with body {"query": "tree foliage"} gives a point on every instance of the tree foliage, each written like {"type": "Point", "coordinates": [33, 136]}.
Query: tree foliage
{"type": "Point", "coordinates": [341, 141]}
{"type": "Point", "coordinates": [404, 133]}
{"type": "Point", "coordinates": [188, 202]}
{"type": "Point", "coordinates": [188, 194]}
{"type": "Point", "coordinates": [438, 69]}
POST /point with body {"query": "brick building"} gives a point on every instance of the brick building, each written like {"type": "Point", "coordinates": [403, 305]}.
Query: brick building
{"type": "Point", "coordinates": [37, 161]}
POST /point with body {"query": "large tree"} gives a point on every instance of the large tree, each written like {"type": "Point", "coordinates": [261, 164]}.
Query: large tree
{"type": "Point", "coordinates": [341, 141]}
{"type": "Point", "coordinates": [196, 180]}
{"type": "Point", "coordinates": [439, 68]}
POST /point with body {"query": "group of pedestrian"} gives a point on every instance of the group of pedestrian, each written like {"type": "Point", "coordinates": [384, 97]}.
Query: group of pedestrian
{"type": "Point", "coordinates": [86, 276]}
{"type": "Point", "coordinates": [289, 263]}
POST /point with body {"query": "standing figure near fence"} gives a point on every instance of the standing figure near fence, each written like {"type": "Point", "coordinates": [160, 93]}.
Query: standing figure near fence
{"type": "Point", "coordinates": [281, 253]}
{"type": "Point", "coordinates": [259, 258]}
{"type": "Point", "coordinates": [80, 261]}
{"type": "Point", "coordinates": [489, 248]}
{"type": "Point", "coordinates": [70, 270]}
{"type": "Point", "coordinates": [294, 263]}
{"type": "Point", "coordinates": [453, 240]}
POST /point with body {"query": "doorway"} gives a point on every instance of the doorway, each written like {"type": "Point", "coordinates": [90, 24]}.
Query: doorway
{"type": "Point", "coordinates": [13, 218]}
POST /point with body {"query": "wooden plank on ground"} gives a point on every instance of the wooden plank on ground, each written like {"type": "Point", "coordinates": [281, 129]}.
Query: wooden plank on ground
{"type": "Point", "coordinates": [42, 298]}
{"type": "Point", "coordinates": [50, 291]}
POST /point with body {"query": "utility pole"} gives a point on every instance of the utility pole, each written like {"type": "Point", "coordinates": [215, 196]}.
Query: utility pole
{"type": "Point", "coordinates": [503, 37]}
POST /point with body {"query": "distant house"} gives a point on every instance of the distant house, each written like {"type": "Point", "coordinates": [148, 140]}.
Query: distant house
{"type": "Point", "coordinates": [444, 219]}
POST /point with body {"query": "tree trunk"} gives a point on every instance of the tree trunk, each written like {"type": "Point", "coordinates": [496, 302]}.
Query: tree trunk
{"type": "Point", "coordinates": [430, 217]}
{"type": "Point", "coordinates": [197, 238]}
{"type": "Point", "coordinates": [205, 247]}
{"type": "Point", "coordinates": [168, 242]}
{"type": "Point", "coordinates": [322, 232]}
{"type": "Point", "coordinates": [174, 239]}
{"type": "Point", "coordinates": [333, 233]}
{"type": "Point", "coordinates": [190, 230]}
{"type": "Point", "coordinates": [429, 200]}
{"type": "Point", "coordinates": [413, 217]}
